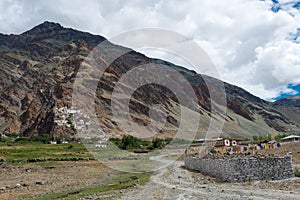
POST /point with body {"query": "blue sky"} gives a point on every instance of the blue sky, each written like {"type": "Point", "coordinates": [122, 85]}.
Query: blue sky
{"type": "Point", "coordinates": [281, 6]}
{"type": "Point", "coordinates": [254, 44]}
{"type": "Point", "coordinates": [295, 88]}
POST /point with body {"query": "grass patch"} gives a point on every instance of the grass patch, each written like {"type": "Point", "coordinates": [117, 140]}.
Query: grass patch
{"type": "Point", "coordinates": [15, 152]}
{"type": "Point", "coordinates": [47, 164]}
{"type": "Point", "coordinates": [297, 172]}
{"type": "Point", "coordinates": [121, 182]}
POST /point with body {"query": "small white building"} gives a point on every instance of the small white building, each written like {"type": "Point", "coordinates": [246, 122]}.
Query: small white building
{"type": "Point", "coordinates": [100, 146]}
{"type": "Point", "coordinates": [291, 138]}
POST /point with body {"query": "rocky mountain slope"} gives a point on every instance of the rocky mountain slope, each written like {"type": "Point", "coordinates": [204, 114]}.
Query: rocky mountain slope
{"type": "Point", "coordinates": [38, 69]}
{"type": "Point", "coordinates": [289, 101]}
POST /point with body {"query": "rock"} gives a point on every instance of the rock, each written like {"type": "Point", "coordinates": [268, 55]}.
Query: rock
{"type": "Point", "coordinates": [40, 182]}
{"type": "Point", "coordinates": [18, 185]}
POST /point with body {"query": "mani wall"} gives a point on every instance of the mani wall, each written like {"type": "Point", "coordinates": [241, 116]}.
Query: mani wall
{"type": "Point", "coordinates": [243, 169]}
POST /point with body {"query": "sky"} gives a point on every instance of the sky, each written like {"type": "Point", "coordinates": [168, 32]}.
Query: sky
{"type": "Point", "coordinates": [254, 44]}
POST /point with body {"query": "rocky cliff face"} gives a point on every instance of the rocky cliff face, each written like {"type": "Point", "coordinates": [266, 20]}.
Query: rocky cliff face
{"type": "Point", "coordinates": [37, 73]}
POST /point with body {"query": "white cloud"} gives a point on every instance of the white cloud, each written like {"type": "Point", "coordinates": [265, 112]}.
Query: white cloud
{"type": "Point", "coordinates": [249, 44]}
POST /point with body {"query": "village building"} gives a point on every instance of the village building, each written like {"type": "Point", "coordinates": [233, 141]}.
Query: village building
{"type": "Point", "coordinates": [218, 142]}
{"type": "Point", "coordinates": [291, 138]}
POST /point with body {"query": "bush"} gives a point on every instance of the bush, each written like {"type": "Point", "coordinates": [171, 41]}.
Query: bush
{"type": "Point", "coordinates": [129, 142]}
{"type": "Point", "coordinates": [262, 138]}
{"type": "Point", "coordinates": [116, 141]}
{"type": "Point", "coordinates": [157, 143]}
{"type": "Point", "coordinates": [12, 135]}
{"type": "Point", "coordinates": [58, 140]}
{"type": "Point", "coordinates": [44, 138]}
{"type": "Point", "coordinates": [279, 136]}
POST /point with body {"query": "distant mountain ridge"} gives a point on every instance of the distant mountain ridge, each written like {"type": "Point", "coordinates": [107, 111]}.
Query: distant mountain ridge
{"type": "Point", "coordinates": [293, 101]}
{"type": "Point", "coordinates": [39, 66]}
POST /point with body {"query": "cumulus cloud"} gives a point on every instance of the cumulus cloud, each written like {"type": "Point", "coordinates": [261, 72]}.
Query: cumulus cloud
{"type": "Point", "coordinates": [254, 44]}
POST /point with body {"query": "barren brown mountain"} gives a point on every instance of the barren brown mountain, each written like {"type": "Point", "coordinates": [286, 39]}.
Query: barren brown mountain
{"type": "Point", "coordinates": [38, 69]}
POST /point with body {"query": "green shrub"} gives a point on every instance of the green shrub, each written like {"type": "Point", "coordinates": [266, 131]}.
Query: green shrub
{"type": "Point", "coordinates": [58, 140]}
{"type": "Point", "coordinates": [279, 136]}
{"type": "Point", "coordinates": [262, 138]}
{"type": "Point", "coordinates": [12, 135]}
{"type": "Point", "coordinates": [116, 141]}
{"type": "Point", "coordinates": [157, 143]}
{"type": "Point", "coordinates": [129, 142]}
{"type": "Point", "coordinates": [44, 138]}
{"type": "Point", "coordinates": [297, 172]}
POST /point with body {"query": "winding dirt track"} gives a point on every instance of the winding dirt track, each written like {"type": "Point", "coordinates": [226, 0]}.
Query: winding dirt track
{"type": "Point", "coordinates": [175, 182]}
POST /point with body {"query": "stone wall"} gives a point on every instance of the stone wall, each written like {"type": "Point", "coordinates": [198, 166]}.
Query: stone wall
{"type": "Point", "coordinates": [243, 169]}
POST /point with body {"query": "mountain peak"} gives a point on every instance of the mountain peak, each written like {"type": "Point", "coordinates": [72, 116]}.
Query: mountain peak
{"type": "Point", "coordinates": [45, 27]}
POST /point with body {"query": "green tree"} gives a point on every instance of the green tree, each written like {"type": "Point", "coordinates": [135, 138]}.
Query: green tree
{"type": "Point", "coordinates": [129, 142]}
{"type": "Point", "coordinates": [157, 143]}
{"type": "Point", "coordinates": [45, 138]}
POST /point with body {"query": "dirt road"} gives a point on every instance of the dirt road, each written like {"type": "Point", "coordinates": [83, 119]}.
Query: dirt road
{"type": "Point", "coordinates": [175, 182]}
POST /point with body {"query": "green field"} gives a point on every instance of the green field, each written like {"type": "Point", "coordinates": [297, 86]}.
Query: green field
{"type": "Point", "coordinates": [15, 152]}
{"type": "Point", "coordinates": [122, 182]}
{"type": "Point", "coordinates": [51, 156]}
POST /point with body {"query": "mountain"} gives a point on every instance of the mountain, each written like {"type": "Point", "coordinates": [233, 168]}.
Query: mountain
{"type": "Point", "coordinates": [289, 106]}
{"type": "Point", "coordinates": [39, 68]}
{"type": "Point", "coordinates": [289, 101]}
